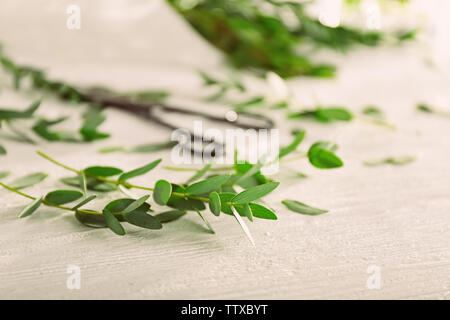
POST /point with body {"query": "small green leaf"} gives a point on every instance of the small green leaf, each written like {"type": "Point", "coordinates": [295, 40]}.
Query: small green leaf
{"type": "Point", "coordinates": [243, 225]}
{"type": "Point", "coordinates": [331, 114]}
{"type": "Point", "coordinates": [208, 185]}
{"type": "Point", "coordinates": [214, 203]}
{"type": "Point", "coordinates": [112, 149]}
{"type": "Point", "coordinates": [249, 103]}
{"type": "Point", "coordinates": [28, 180]}
{"type": "Point", "coordinates": [83, 183]}
{"type": "Point", "coordinates": [14, 114]}
{"type": "Point", "coordinates": [321, 155]}
{"type": "Point", "coordinates": [32, 207]}
{"type": "Point", "coordinates": [92, 220]}
{"type": "Point", "coordinates": [293, 145]}
{"type": "Point", "coordinates": [2, 150]}
{"type": "Point", "coordinates": [162, 192]}
{"type": "Point", "coordinates": [200, 173]}
{"type": "Point", "coordinates": [83, 202]}
{"type": "Point", "coordinates": [184, 204]}
{"type": "Point", "coordinates": [262, 212]}
{"type": "Point", "coordinates": [143, 220]}
{"type": "Point", "coordinates": [92, 119]}
{"type": "Point", "coordinates": [136, 204]}
{"type": "Point", "coordinates": [113, 223]}
{"type": "Point", "coordinates": [41, 128]}
{"type": "Point", "coordinates": [169, 216]}
{"type": "Point", "coordinates": [4, 174]}
{"type": "Point", "coordinates": [254, 193]}
{"type": "Point", "coordinates": [397, 161]}
{"type": "Point", "coordinates": [424, 108]}
{"type": "Point", "coordinates": [302, 208]}
{"type": "Point", "coordinates": [63, 196]}
{"type": "Point", "coordinates": [245, 211]}
{"type": "Point", "coordinates": [119, 205]}
{"type": "Point", "coordinates": [153, 147]}
{"type": "Point", "coordinates": [372, 111]}
{"type": "Point", "coordinates": [206, 222]}
{"type": "Point", "coordinates": [91, 184]}
{"type": "Point", "coordinates": [98, 171]}
{"type": "Point", "coordinates": [139, 171]}
{"type": "Point", "coordinates": [225, 199]}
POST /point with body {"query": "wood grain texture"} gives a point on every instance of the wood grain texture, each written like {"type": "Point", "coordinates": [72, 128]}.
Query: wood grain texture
{"type": "Point", "coordinates": [396, 218]}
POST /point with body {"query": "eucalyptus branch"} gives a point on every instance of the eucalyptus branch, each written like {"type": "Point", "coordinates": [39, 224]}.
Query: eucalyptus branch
{"type": "Point", "coordinates": [45, 202]}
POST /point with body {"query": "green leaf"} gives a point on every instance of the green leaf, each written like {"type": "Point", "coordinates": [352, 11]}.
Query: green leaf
{"type": "Point", "coordinates": [397, 161]}
{"type": "Point", "coordinates": [262, 212]}
{"type": "Point", "coordinates": [98, 171]}
{"type": "Point", "coordinates": [113, 223]}
{"type": "Point", "coordinates": [153, 147]}
{"type": "Point", "coordinates": [208, 185]}
{"type": "Point", "coordinates": [14, 114]}
{"type": "Point", "coordinates": [28, 180]}
{"type": "Point", "coordinates": [182, 203]}
{"type": "Point", "coordinates": [92, 119]}
{"type": "Point", "coordinates": [2, 150]}
{"type": "Point", "coordinates": [150, 96]}
{"type": "Point", "coordinates": [302, 208]}
{"type": "Point", "coordinates": [83, 183]}
{"type": "Point", "coordinates": [245, 211]}
{"type": "Point", "coordinates": [139, 171]}
{"type": "Point", "coordinates": [331, 114]}
{"type": "Point", "coordinates": [83, 202]}
{"type": "Point", "coordinates": [248, 175]}
{"type": "Point", "coordinates": [92, 220]}
{"type": "Point", "coordinates": [214, 203]}
{"type": "Point", "coordinates": [136, 204]}
{"type": "Point", "coordinates": [63, 196]}
{"type": "Point", "coordinates": [119, 205]}
{"type": "Point", "coordinates": [112, 149]}
{"type": "Point", "coordinates": [143, 220]}
{"type": "Point", "coordinates": [200, 173]}
{"type": "Point", "coordinates": [321, 156]}
{"type": "Point", "coordinates": [372, 111]}
{"type": "Point", "coordinates": [254, 193]}
{"type": "Point", "coordinates": [206, 222]}
{"type": "Point", "coordinates": [4, 174]}
{"type": "Point", "coordinates": [425, 108]}
{"type": "Point", "coordinates": [32, 207]}
{"type": "Point", "coordinates": [293, 145]}
{"type": "Point", "coordinates": [41, 128]}
{"type": "Point", "coordinates": [138, 216]}
{"type": "Point", "coordinates": [225, 199]}
{"type": "Point", "coordinates": [169, 216]}
{"type": "Point", "coordinates": [162, 192]}
{"type": "Point", "coordinates": [91, 184]}
{"type": "Point", "coordinates": [249, 103]}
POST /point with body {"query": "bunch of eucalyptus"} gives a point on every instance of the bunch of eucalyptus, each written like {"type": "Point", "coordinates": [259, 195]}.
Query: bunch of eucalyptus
{"type": "Point", "coordinates": [278, 36]}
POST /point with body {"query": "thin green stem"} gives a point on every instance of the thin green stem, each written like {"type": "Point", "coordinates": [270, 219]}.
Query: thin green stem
{"type": "Point", "coordinates": [43, 155]}
{"type": "Point", "coordinates": [116, 182]}
{"type": "Point", "coordinates": [45, 202]}
{"type": "Point", "coordinates": [17, 191]}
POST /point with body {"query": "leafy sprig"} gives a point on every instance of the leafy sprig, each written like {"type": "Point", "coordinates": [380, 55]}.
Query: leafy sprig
{"type": "Point", "coordinates": [258, 37]}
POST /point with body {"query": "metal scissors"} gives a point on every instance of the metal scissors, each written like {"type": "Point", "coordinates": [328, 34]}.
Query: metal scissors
{"type": "Point", "coordinates": [149, 111]}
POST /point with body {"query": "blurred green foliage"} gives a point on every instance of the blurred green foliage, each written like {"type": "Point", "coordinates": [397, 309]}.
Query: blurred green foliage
{"type": "Point", "coordinates": [268, 35]}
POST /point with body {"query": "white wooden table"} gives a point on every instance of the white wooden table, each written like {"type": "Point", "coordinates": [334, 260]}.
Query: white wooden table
{"type": "Point", "coordinates": [394, 218]}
